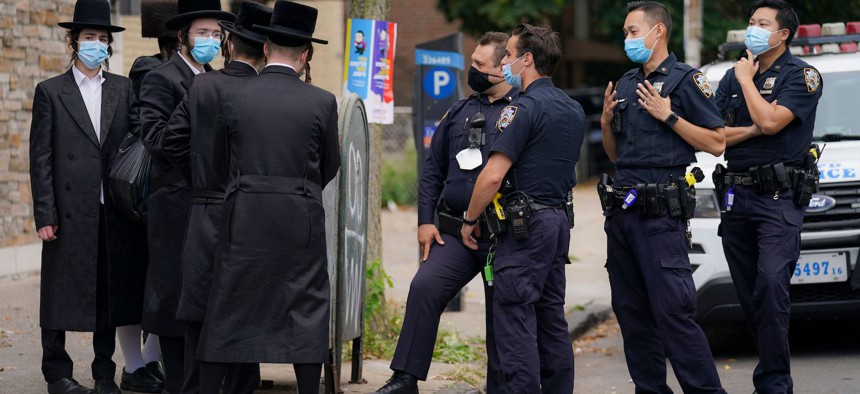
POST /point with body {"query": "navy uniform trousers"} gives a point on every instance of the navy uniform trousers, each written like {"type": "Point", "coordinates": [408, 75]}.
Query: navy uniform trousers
{"type": "Point", "coordinates": [761, 271]}
{"type": "Point", "coordinates": [532, 337]}
{"type": "Point", "coordinates": [448, 268]}
{"type": "Point", "coordinates": [654, 299]}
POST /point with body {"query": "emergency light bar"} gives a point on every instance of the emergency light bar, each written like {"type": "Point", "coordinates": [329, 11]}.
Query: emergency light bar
{"type": "Point", "coordinates": [812, 39]}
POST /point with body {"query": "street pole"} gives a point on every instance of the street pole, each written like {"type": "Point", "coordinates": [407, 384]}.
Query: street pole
{"type": "Point", "coordinates": [378, 10]}
{"type": "Point", "coordinates": [693, 32]}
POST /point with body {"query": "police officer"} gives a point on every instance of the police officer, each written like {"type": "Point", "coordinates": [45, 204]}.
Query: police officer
{"type": "Point", "coordinates": [458, 151]}
{"type": "Point", "coordinates": [654, 121]}
{"type": "Point", "coordinates": [192, 146]}
{"type": "Point", "coordinates": [769, 101]}
{"type": "Point", "coordinates": [535, 155]}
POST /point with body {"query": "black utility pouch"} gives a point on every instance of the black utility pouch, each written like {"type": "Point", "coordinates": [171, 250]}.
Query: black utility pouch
{"type": "Point", "coordinates": [782, 180]}
{"type": "Point", "coordinates": [804, 189]}
{"type": "Point", "coordinates": [673, 200]}
{"type": "Point", "coordinates": [652, 200]}
{"type": "Point", "coordinates": [450, 224]}
{"type": "Point", "coordinates": [688, 202]}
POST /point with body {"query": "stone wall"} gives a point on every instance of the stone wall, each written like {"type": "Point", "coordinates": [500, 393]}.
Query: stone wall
{"type": "Point", "coordinates": [32, 49]}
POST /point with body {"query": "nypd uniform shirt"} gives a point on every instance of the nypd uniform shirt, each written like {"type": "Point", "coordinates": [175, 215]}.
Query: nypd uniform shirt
{"type": "Point", "coordinates": [793, 84]}
{"type": "Point", "coordinates": [541, 132]}
{"type": "Point", "coordinates": [648, 150]}
{"type": "Point", "coordinates": [441, 175]}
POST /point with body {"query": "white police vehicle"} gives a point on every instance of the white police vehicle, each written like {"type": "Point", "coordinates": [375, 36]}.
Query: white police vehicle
{"type": "Point", "coordinates": [821, 287]}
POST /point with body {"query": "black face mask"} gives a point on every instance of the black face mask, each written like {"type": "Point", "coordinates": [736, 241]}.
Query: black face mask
{"type": "Point", "coordinates": [480, 82]}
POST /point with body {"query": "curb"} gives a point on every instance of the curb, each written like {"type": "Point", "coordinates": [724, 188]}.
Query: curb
{"type": "Point", "coordinates": [581, 320]}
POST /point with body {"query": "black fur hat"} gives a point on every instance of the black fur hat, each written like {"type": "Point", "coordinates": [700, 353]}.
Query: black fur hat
{"type": "Point", "coordinates": [153, 14]}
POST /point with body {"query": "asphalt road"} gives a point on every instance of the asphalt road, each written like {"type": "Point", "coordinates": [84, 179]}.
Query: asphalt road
{"type": "Point", "coordinates": [825, 359]}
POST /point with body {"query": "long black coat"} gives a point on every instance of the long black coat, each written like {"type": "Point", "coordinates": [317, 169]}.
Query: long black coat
{"type": "Point", "coordinates": [270, 288]}
{"type": "Point", "coordinates": [161, 92]}
{"type": "Point", "coordinates": [188, 145]}
{"type": "Point", "coordinates": [67, 166]}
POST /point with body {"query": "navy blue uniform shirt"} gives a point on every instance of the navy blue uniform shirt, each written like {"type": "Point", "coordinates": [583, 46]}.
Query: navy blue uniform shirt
{"type": "Point", "coordinates": [648, 150]}
{"type": "Point", "coordinates": [795, 85]}
{"type": "Point", "coordinates": [441, 175]}
{"type": "Point", "coordinates": [541, 132]}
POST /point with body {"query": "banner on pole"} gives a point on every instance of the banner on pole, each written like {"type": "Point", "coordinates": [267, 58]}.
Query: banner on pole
{"type": "Point", "coordinates": [369, 66]}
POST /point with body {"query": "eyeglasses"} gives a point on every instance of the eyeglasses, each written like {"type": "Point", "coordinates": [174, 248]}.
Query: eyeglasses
{"type": "Point", "coordinates": [206, 33]}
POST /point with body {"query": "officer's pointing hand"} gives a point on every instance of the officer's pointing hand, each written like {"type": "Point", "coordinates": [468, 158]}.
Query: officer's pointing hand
{"type": "Point", "coordinates": [466, 232]}
{"type": "Point", "coordinates": [746, 68]}
{"type": "Point", "coordinates": [659, 107]}
{"type": "Point", "coordinates": [609, 103]}
{"type": "Point", "coordinates": [427, 233]}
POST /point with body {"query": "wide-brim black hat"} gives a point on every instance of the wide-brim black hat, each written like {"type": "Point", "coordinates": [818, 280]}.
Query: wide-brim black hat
{"type": "Point", "coordinates": [189, 10]}
{"type": "Point", "coordinates": [93, 14]}
{"type": "Point", "coordinates": [293, 22]}
{"type": "Point", "coordinates": [251, 13]}
{"type": "Point", "coordinates": [153, 14]}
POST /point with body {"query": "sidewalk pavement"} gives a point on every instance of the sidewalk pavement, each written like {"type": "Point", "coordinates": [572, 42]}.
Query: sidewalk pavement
{"type": "Point", "coordinates": [587, 301]}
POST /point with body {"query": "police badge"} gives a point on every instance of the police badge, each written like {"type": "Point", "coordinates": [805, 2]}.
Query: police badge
{"type": "Point", "coordinates": [658, 86]}
{"type": "Point", "coordinates": [767, 88]}
{"type": "Point", "coordinates": [813, 79]}
{"type": "Point", "coordinates": [703, 84]}
{"type": "Point", "coordinates": [506, 117]}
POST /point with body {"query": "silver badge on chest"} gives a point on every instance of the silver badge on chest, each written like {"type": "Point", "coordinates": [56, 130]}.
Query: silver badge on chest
{"type": "Point", "coordinates": [658, 86]}
{"type": "Point", "coordinates": [769, 83]}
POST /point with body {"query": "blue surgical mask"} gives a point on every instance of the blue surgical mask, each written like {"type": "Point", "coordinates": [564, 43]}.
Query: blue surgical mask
{"type": "Point", "coordinates": [92, 53]}
{"type": "Point", "coordinates": [205, 49]}
{"type": "Point", "coordinates": [515, 81]}
{"type": "Point", "coordinates": [757, 40]}
{"type": "Point", "coordinates": [636, 50]}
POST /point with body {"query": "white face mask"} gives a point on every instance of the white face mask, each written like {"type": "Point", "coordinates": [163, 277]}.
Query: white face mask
{"type": "Point", "coordinates": [469, 158]}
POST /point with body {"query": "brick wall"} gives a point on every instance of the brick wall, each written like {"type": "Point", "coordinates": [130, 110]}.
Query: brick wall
{"type": "Point", "coordinates": [418, 21]}
{"type": "Point", "coordinates": [32, 49]}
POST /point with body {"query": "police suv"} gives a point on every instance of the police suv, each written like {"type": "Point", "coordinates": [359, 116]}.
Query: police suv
{"type": "Point", "coordinates": [826, 282]}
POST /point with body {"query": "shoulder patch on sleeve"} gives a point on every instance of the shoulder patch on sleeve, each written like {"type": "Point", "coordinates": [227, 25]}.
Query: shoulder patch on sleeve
{"type": "Point", "coordinates": [444, 116]}
{"type": "Point", "coordinates": [703, 84]}
{"type": "Point", "coordinates": [813, 79]}
{"type": "Point", "coordinates": [506, 117]}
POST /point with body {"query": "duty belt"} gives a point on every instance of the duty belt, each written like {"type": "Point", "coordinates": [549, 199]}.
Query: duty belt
{"type": "Point", "coordinates": [540, 207]}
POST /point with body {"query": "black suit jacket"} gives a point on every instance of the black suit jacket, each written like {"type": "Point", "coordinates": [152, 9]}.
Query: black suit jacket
{"type": "Point", "coordinates": [188, 144]}
{"type": "Point", "coordinates": [68, 165]}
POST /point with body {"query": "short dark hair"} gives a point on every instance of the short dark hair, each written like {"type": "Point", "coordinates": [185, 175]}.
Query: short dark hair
{"type": "Point", "coordinates": [243, 48]}
{"type": "Point", "coordinates": [74, 34]}
{"type": "Point", "coordinates": [785, 15]}
{"type": "Point", "coordinates": [544, 45]}
{"type": "Point", "coordinates": [654, 13]}
{"type": "Point", "coordinates": [498, 39]}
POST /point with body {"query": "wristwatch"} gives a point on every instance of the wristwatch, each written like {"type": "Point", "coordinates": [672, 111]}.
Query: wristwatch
{"type": "Point", "coordinates": [671, 120]}
{"type": "Point", "coordinates": [468, 222]}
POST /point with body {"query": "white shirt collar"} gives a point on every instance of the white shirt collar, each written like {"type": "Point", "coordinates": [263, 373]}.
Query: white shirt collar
{"type": "Point", "coordinates": [80, 77]}
{"type": "Point", "coordinates": [193, 69]}
{"type": "Point", "coordinates": [283, 65]}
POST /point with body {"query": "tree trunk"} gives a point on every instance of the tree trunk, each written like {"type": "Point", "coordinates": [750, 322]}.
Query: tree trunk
{"type": "Point", "coordinates": [373, 9]}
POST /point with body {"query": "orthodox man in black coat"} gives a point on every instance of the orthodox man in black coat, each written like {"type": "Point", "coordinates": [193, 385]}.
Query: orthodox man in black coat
{"type": "Point", "coordinates": [161, 92]}
{"type": "Point", "coordinates": [153, 14]}
{"type": "Point", "coordinates": [189, 145]}
{"type": "Point", "coordinates": [270, 289]}
{"type": "Point", "coordinates": [92, 270]}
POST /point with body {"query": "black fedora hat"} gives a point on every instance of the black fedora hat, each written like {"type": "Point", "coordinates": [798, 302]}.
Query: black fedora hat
{"type": "Point", "coordinates": [153, 14]}
{"type": "Point", "coordinates": [92, 13]}
{"type": "Point", "coordinates": [293, 22]}
{"type": "Point", "coordinates": [190, 10]}
{"type": "Point", "coordinates": [251, 13]}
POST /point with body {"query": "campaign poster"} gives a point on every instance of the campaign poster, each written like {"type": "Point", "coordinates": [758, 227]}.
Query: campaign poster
{"type": "Point", "coordinates": [369, 66]}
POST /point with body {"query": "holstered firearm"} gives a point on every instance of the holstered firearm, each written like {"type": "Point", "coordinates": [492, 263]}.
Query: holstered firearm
{"type": "Point", "coordinates": [719, 178]}
{"type": "Point", "coordinates": [806, 181]}
{"type": "Point", "coordinates": [606, 193]}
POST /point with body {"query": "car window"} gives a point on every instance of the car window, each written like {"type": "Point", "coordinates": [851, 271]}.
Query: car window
{"type": "Point", "coordinates": [837, 110]}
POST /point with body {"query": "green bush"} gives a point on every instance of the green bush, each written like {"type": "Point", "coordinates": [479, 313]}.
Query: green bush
{"type": "Point", "coordinates": [400, 177]}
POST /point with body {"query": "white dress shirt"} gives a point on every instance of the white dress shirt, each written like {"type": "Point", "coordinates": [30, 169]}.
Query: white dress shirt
{"type": "Point", "coordinates": [91, 91]}
{"type": "Point", "coordinates": [191, 66]}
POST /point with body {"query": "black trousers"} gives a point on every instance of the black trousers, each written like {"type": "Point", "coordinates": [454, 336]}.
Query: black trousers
{"type": "Point", "coordinates": [172, 356]}
{"type": "Point", "coordinates": [56, 362]}
{"type": "Point", "coordinates": [237, 378]}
